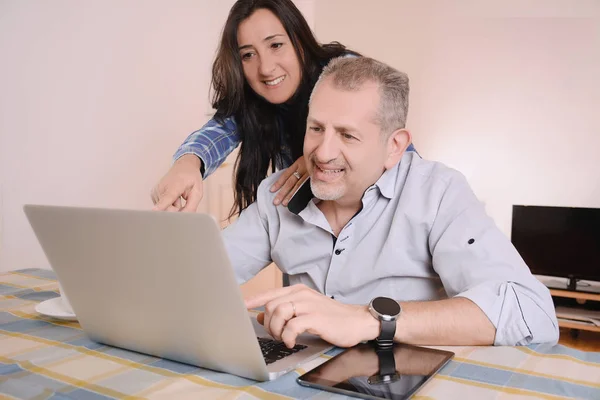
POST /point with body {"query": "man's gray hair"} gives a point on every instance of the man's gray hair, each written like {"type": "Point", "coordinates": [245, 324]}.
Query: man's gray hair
{"type": "Point", "coordinates": [351, 73]}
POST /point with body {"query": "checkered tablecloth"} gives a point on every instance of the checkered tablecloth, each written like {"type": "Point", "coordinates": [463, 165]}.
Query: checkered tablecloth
{"type": "Point", "coordinates": [42, 358]}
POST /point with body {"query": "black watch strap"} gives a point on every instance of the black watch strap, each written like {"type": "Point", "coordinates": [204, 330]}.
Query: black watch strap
{"type": "Point", "coordinates": [387, 367]}
{"type": "Point", "coordinates": [387, 363]}
{"type": "Point", "coordinates": [386, 337]}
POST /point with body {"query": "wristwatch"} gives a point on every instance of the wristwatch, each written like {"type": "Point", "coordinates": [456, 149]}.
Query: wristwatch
{"type": "Point", "coordinates": [387, 311]}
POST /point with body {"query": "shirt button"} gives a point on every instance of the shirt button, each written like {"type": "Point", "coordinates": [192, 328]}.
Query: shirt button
{"type": "Point", "coordinates": [338, 252]}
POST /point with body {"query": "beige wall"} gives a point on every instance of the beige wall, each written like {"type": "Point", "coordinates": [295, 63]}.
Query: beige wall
{"type": "Point", "coordinates": [507, 92]}
{"type": "Point", "coordinates": [95, 96]}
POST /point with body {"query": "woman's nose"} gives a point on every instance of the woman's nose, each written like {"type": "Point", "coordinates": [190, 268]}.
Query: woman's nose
{"type": "Point", "coordinates": [267, 66]}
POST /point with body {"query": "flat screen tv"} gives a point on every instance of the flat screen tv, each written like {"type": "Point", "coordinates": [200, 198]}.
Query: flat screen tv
{"type": "Point", "coordinates": [559, 241]}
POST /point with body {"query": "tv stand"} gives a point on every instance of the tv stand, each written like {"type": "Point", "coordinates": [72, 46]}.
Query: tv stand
{"type": "Point", "coordinates": [581, 298]}
{"type": "Point", "coordinates": [572, 285]}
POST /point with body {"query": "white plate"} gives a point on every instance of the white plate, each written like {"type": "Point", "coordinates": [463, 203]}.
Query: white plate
{"type": "Point", "coordinates": [54, 308]}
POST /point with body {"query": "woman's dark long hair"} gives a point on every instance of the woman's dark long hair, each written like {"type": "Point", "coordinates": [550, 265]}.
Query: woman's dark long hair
{"type": "Point", "coordinates": [258, 125]}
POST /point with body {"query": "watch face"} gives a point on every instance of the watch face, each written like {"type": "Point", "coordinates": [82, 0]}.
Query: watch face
{"type": "Point", "coordinates": [386, 306]}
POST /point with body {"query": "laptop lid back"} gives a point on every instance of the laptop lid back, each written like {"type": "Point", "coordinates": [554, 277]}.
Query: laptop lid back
{"type": "Point", "coordinates": [153, 282]}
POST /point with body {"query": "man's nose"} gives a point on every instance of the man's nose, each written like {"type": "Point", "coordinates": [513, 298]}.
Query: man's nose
{"type": "Point", "coordinates": [328, 148]}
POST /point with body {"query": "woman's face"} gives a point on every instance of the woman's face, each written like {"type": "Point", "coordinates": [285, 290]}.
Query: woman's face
{"type": "Point", "coordinates": [269, 59]}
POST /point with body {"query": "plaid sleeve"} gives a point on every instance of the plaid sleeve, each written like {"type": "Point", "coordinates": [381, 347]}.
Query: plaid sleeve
{"type": "Point", "coordinates": [212, 144]}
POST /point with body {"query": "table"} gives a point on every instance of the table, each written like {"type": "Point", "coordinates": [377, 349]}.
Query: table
{"type": "Point", "coordinates": [42, 358]}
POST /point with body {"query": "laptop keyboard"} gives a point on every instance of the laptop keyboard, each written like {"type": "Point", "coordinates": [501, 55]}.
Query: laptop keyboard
{"type": "Point", "coordinates": [274, 351]}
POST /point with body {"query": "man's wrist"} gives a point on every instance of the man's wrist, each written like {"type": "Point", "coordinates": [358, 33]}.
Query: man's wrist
{"type": "Point", "coordinates": [371, 325]}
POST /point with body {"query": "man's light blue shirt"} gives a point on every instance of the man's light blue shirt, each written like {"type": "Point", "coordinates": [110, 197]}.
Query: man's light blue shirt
{"type": "Point", "coordinates": [421, 235]}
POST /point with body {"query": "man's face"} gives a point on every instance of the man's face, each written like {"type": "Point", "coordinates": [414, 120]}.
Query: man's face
{"type": "Point", "coordinates": [343, 146]}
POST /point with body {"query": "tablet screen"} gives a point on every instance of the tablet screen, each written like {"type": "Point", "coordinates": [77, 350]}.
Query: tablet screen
{"type": "Point", "coordinates": [364, 372]}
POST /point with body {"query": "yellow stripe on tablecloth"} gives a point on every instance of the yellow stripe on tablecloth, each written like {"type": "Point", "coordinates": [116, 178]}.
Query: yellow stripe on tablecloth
{"type": "Point", "coordinates": [252, 390]}
{"type": "Point", "coordinates": [36, 317]}
{"type": "Point", "coordinates": [157, 386]}
{"type": "Point", "coordinates": [33, 276]}
{"type": "Point", "coordinates": [182, 389]}
{"type": "Point", "coordinates": [301, 370]}
{"type": "Point", "coordinates": [11, 300]}
{"type": "Point", "coordinates": [128, 366]}
{"type": "Point", "coordinates": [28, 282]}
{"type": "Point", "coordinates": [34, 288]}
{"type": "Point", "coordinates": [525, 372]}
{"type": "Point", "coordinates": [36, 369]}
{"type": "Point", "coordinates": [25, 346]}
{"type": "Point", "coordinates": [557, 356]}
{"type": "Point", "coordinates": [503, 389]}
{"type": "Point", "coordinates": [51, 367]}
{"type": "Point", "coordinates": [53, 321]}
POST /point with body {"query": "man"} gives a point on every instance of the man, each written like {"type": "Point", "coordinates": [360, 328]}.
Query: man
{"type": "Point", "coordinates": [376, 221]}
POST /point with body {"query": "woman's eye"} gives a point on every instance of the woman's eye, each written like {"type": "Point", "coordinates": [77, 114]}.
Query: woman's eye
{"type": "Point", "coordinates": [276, 45]}
{"type": "Point", "coordinates": [247, 56]}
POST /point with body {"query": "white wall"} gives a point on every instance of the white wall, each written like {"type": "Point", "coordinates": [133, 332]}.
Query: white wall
{"type": "Point", "coordinates": [505, 91]}
{"type": "Point", "coordinates": [95, 97]}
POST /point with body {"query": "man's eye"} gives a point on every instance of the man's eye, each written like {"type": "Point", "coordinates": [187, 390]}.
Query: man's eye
{"type": "Point", "coordinates": [315, 128]}
{"type": "Point", "coordinates": [347, 136]}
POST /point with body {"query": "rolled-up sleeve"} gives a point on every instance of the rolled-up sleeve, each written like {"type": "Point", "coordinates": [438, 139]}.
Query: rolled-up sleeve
{"type": "Point", "coordinates": [212, 144]}
{"type": "Point", "coordinates": [475, 260]}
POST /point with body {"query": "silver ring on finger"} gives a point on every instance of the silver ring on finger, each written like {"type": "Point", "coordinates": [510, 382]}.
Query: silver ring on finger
{"type": "Point", "coordinates": [297, 175]}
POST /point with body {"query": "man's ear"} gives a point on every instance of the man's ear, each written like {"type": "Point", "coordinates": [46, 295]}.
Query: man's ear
{"type": "Point", "coordinates": [397, 144]}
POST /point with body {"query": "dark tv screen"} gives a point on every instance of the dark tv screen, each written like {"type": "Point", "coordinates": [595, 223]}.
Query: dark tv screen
{"type": "Point", "coordinates": [558, 241]}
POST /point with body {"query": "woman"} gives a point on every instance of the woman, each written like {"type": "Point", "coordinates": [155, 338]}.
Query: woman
{"type": "Point", "coordinates": [266, 66]}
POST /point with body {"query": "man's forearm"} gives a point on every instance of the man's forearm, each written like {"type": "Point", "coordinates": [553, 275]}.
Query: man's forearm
{"type": "Point", "coordinates": [455, 321]}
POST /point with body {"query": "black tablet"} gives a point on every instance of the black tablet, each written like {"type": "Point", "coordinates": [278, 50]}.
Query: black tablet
{"type": "Point", "coordinates": [371, 373]}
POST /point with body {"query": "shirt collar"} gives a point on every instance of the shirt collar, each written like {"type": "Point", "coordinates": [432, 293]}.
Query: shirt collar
{"type": "Point", "coordinates": [387, 181]}
{"type": "Point", "coordinates": [386, 185]}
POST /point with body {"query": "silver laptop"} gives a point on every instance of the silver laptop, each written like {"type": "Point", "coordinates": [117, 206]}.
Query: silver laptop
{"type": "Point", "coordinates": [162, 284]}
